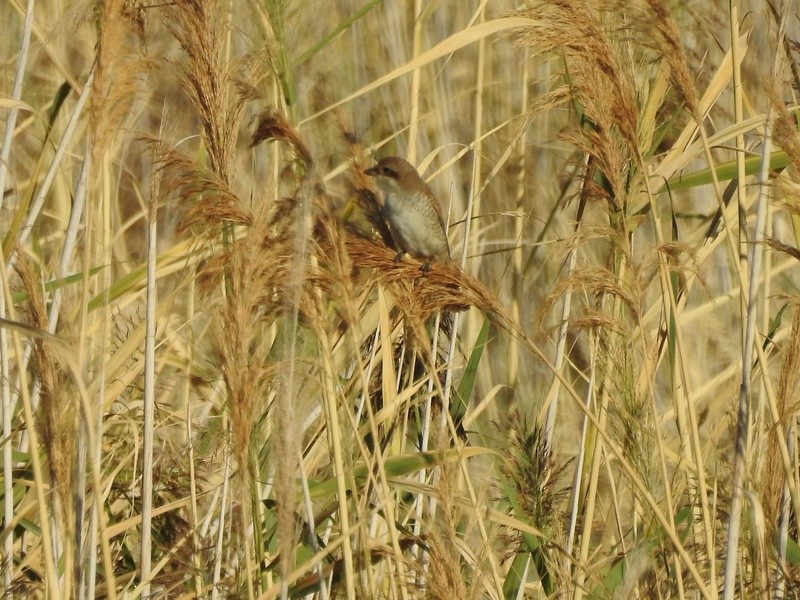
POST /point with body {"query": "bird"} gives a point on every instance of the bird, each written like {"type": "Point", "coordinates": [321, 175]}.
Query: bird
{"type": "Point", "coordinates": [411, 211]}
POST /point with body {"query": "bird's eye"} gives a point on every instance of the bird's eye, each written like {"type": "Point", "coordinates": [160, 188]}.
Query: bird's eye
{"type": "Point", "coordinates": [389, 173]}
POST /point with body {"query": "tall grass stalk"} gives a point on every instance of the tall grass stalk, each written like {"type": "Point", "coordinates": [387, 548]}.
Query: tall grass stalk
{"type": "Point", "coordinates": [149, 397]}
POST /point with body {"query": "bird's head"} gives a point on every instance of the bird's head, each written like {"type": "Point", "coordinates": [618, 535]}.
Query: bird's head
{"type": "Point", "coordinates": [395, 175]}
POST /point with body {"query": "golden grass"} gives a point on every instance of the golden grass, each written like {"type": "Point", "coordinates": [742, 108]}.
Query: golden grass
{"type": "Point", "coordinates": [554, 416]}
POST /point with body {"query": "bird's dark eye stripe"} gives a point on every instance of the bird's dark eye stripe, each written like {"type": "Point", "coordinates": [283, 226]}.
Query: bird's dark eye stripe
{"type": "Point", "coordinates": [389, 173]}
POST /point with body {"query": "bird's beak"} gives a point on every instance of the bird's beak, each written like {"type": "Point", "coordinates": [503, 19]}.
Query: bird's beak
{"type": "Point", "coordinates": [372, 171]}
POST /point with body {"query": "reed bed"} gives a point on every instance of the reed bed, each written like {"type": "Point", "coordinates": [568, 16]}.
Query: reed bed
{"type": "Point", "coordinates": [217, 382]}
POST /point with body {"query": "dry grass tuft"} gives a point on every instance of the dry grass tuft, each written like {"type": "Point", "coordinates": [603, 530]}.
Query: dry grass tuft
{"type": "Point", "coordinates": [117, 71]}
{"type": "Point", "coordinates": [204, 199]}
{"type": "Point", "coordinates": [420, 295]}
{"type": "Point", "coordinates": [58, 419]}
{"type": "Point", "coordinates": [447, 577]}
{"type": "Point", "coordinates": [534, 485]}
{"type": "Point", "coordinates": [602, 88]}
{"type": "Point", "coordinates": [272, 126]}
{"type": "Point", "coordinates": [597, 284]}
{"type": "Point", "coordinates": [657, 20]}
{"type": "Point", "coordinates": [785, 131]}
{"type": "Point", "coordinates": [215, 87]}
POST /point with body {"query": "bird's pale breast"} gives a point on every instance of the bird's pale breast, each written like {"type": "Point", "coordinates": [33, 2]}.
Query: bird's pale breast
{"type": "Point", "coordinates": [415, 226]}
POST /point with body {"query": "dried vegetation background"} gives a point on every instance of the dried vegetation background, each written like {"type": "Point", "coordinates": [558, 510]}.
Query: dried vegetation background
{"type": "Point", "coordinates": [217, 383]}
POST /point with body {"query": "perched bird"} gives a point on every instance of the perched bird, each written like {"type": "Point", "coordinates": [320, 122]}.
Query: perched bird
{"type": "Point", "coordinates": [411, 210]}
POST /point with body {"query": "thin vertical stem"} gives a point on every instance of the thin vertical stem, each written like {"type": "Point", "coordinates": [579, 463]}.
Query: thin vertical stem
{"type": "Point", "coordinates": [743, 418]}
{"type": "Point", "coordinates": [149, 398]}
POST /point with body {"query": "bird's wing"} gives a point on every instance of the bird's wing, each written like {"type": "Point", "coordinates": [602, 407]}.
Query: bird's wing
{"type": "Point", "coordinates": [437, 206]}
